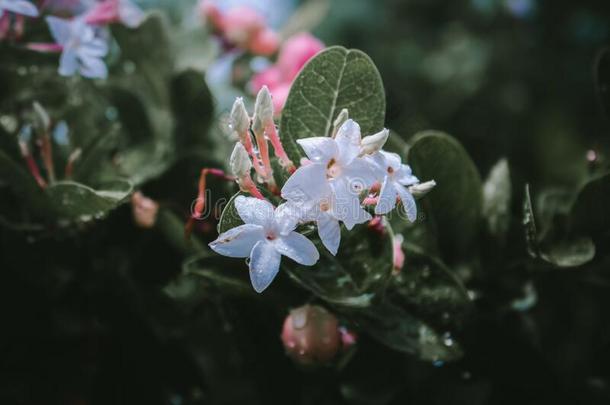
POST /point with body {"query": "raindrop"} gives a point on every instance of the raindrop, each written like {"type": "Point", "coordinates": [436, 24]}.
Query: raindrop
{"type": "Point", "coordinates": [447, 340]}
{"type": "Point", "coordinates": [111, 113]}
{"type": "Point", "coordinates": [129, 67]}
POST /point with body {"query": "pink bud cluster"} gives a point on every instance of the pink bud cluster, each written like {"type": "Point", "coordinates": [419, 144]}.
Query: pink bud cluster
{"type": "Point", "coordinates": [240, 27]}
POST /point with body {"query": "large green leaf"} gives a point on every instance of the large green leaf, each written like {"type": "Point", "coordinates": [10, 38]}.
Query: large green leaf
{"type": "Point", "coordinates": [590, 213]}
{"type": "Point", "coordinates": [76, 202]}
{"type": "Point", "coordinates": [335, 79]}
{"type": "Point", "coordinates": [558, 246]}
{"type": "Point", "coordinates": [454, 206]}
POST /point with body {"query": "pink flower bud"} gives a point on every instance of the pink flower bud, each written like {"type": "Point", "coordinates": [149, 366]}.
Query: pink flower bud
{"type": "Point", "coordinates": [295, 52]}
{"type": "Point", "coordinates": [311, 335]}
{"type": "Point", "coordinates": [211, 13]}
{"type": "Point", "coordinates": [241, 24]}
{"type": "Point", "coordinates": [144, 210]}
{"type": "Point", "coordinates": [265, 42]}
{"type": "Point", "coordinates": [399, 254]}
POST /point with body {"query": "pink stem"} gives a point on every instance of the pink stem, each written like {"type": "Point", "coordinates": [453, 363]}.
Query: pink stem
{"type": "Point", "coordinates": [103, 13]}
{"type": "Point", "coordinates": [370, 200]}
{"type": "Point", "coordinates": [256, 162]}
{"type": "Point", "coordinates": [263, 149]}
{"type": "Point", "coordinates": [44, 47]}
{"type": "Point", "coordinates": [278, 147]}
{"type": "Point", "coordinates": [251, 188]}
{"type": "Point", "coordinates": [31, 163]}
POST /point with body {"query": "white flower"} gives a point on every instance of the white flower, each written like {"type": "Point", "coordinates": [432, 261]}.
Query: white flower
{"type": "Point", "coordinates": [266, 235]}
{"type": "Point", "coordinates": [83, 50]}
{"type": "Point", "coordinates": [22, 7]}
{"type": "Point", "coordinates": [395, 178]}
{"type": "Point", "coordinates": [335, 170]}
{"type": "Point", "coordinates": [373, 143]}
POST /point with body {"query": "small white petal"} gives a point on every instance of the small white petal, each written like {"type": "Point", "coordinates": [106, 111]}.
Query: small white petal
{"type": "Point", "coordinates": [378, 165]}
{"type": "Point", "coordinates": [20, 7]}
{"type": "Point", "coordinates": [93, 68]}
{"type": "Point", "coordinates": [131, 15]}
{"type": "Point", "coordinates": [405, 176]}
{"type": "Point", "coordinates": [320, 148]}
{"type": "Point", "coordinates": [347, 205]}
{"type": "Point", "coordinates": [408, 202]}
{"type": "Point", "coordinates": [306, 184]}
{"type": "Point", "coordinates": [60, 28]}
{"type": "Point", "coordinates": [264, 265]}
{"type": "Point", "coordinates": [387, 197]}
{"type": "Point", "coordinates": [348, 140]}
{"type": "Point", "coordinates": [238, 241]}
{"type": "Point", "coordinates": [287, 217]}
{"type": "Point", "coordinates": [359, 175]}
{"type": "Point", "coordinates": [329, 231]}
{"type": "Point", "coordinates": [254, 211]}
{"type": "Point", "coordinates": [392, 160]}
{"type": "Point", "coordinates": [373, 143]}
{"type": "Point", "coordinates": [68, 62]}
{"type": "Point", "coordinates": [298, 248]}
{"type": "Point", "coordinates": [97, 47]}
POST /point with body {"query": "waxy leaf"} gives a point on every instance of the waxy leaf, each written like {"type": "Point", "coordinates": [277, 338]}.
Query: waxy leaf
{"type": "Point", "coordinates": [335, 79]}
{"type": "Point", "coordinates": [76, 202]}
{"type": "Point", "coordinates": [454, 206]}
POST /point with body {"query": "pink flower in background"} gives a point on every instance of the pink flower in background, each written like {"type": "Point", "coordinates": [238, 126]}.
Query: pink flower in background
{"type": "Point", "coordinates": [295, 53]}
{"type": "Point", "coordinates": [115, 11]}
{"type": "Point", "coordinates": [241, 27]}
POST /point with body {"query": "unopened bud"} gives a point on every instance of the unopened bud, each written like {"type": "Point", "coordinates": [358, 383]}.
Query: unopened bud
{"type": "Point", "coordinates": [42, 115]}
{"type": "Point", "coordinates": [398, 256]}
{"type": "Point", "coordinates": [311, 335]}
{"type": "Point", "coordinates": [421, 189]}
{"type": "Point", "coordinates": [240, 161]}
{"type": "Point", "coordinates": [144, 210]}
{"type": "Point", "coordinates": [240, 121]}
{"type": "Point", "coordinates": [373, 143]}
{"type": "Point", "coordinates": [263, 108]}
{"type": "Point", "coordinates": [340, 120]}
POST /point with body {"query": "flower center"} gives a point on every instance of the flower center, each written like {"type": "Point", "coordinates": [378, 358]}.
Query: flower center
{"type": "Point", "coordinates": [271, 236]}
{"type": "Point", "coordinates": [332, 169]}
{"type": "Point", "coordinates": [324, 206]}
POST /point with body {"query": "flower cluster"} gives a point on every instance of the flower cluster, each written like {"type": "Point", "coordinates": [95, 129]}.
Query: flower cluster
{"type": "Point", "coordinates": [240, 27]}
{"type": "Point", "coordinates": [342, 175]}
{"type": "Point", "coordinates": [83, 38]}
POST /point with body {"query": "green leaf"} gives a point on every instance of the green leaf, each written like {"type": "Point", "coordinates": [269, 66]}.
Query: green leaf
{"type": "Point", "coordinates": [398, 329]}
{"type": "Point", "coordinates": [334, 79]}
{"type": "Point", "coordinates": [496, 199]}
{"type": "Point", "coordinates": [76, 202]}
{"type": "Point", "coordinates": [360, 270]}
{"type": "Point", "coordinates": [455, 204]}
{"type": "Point", "coordinates": [229, 218]}
{"type": "Point", "coordinates": [559, 247]}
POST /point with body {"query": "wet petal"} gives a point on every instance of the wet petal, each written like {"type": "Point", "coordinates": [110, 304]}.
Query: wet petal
{"type": "Point", "coordinates": [264, 265]}
{"type": "Point", "coordinates": [20, 7]}
{"type": "Point", "coordinates": [392, 160]}
{"type": "Point", "coordinates": [306, 184]}
{"type": "Point", "coordinates": [387, 197]}
{"type": "Point", "coordinates": [408, 202]}
{"type": "Point", "coordinates": [348, 140]}
{"type": "Point", "coordinates": [255, 211]}
{"type": "Point", "coordinates": [131, 15]}
{"type": "Point", "coordinates": [93, 68]}
{"type": "Point", "coordinates": [359, 175]}
{"type": "Point", "coordinates": [238, 241]}
{"type": "Point", "coordinates": [68, 62]}
{"type": "Point", "coordinates": [287, 216]}
{"type": "Point", "coordinates": [347, 205]}
{"type": "Point", "coordinates": [319, 149]}
{"type": "Point", "coordinates": [60, 28]}
{"type": "Point", "coordinates": [329, 231]}
{"type": "Point", "coordinates": [298, 248]}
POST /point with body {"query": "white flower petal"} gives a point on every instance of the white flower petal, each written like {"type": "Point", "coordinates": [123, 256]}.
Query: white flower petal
{"type": "Point", "coordinates": [97, 47]}
{"type": "Point", "coordinates": [320, 148]}
{"type": "Point", "coordinates": [387, 197]}
{"type": "Point", "coordinates": [405, 176]}
{"type": "Point", "coordinates": [254, 211]}
{"type": "Point", "coordinates": [68, 62]}
{"type": "Point", "coordinates": [298, 248]}
{"type": "Point", "coordinates": [60, 28]}
{"type": "Point", "coordinates": [264, 265]}
{"type": "Point", "coordinates": [306, 184]}
{"type": "Point", "coordinates": [131, 15]}
{"type": "Point", "coordinates": [359, 175]}
{"type": "Point", "coordinates": [329, 231]}
{"type": "Point", "coordinates": [348, 140]}
{"type": "Point", "coordinates": [20, 7]}
{"type": "Point", "coordinates": [378, 165]}
{"type": "Point", "coordinates": [392, 160]}
{"type": "Point", "coordinates": [238, 241]}
{"type": "Point", "coordinates": [408, 202]}
{"type": "Point", "coordinates": [287, 217]}
{"type": "Point", "coordinates": [347, 205]}
{"type": "Point", "coordinates": [93, 67]}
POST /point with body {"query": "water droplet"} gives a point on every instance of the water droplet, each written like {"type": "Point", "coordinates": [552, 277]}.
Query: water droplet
{"type": "Point", "coordinates": [129, 67]}
{"type": "Point", "coordinates": [111, 113]}
{"type": "Point", "coordinates": [447, 340]}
